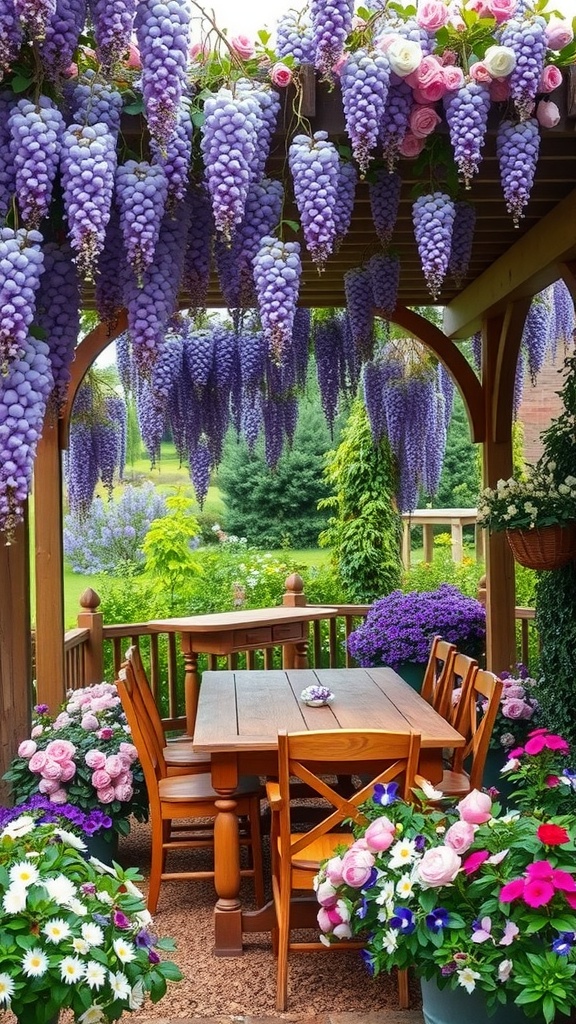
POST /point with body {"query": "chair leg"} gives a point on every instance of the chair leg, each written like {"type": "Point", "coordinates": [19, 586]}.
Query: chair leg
{"type": "Point", "coordinates": [158, 855]}
{"type": "Point", "coordinates": [403, 992]}
{"type": "Point", "coordinates": [283, 911]}
{"type": "Point", "coordinates": [256, 849]}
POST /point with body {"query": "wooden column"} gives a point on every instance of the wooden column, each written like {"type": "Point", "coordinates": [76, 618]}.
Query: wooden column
{"type": "Point", "coordinates": [90, 618]}
{"type": "Point", "coordinates": [50, 682]}
{"type": "Point", "coordinates": [500, 345]}
{"type": "Point", "coordinates": [15, 650]}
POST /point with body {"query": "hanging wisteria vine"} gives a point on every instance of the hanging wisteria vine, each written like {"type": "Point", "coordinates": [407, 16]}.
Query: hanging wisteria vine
{"type": "Point", "coordinates": [82, 203]}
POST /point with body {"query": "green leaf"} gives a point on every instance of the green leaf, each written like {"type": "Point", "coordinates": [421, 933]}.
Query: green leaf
{"type": "Point", "coordinates": [292, 224]}
{"type": "Point", "coordinates": [20, 83]}
{"type": "Point", "coordinates": [137, 107]}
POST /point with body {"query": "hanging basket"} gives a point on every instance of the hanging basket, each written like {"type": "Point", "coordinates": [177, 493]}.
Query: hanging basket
{"type": "Point", "coordinates": [545, 547]}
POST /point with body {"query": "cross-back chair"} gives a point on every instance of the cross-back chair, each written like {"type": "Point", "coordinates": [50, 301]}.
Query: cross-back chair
{"type": "Point", "coordinates": [438, 675]}
{"type": "Point", "coordinates": [177, 803]}
{"type": "Point", "coordinates": [309, 757]}
{"type": "Point", "coordinates": [179, 757]}
{"type": "Point", "coordinates": [461, 673]}
{"type": "Point", "coordinates": [477, 710]}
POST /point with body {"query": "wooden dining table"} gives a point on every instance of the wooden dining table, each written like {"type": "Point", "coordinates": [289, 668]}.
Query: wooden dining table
{"type": "Point", "coordinates": [238, 719]}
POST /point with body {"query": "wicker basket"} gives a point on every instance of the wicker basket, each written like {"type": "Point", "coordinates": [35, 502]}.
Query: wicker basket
{"type": "Point", "coordinates": [544, 548]}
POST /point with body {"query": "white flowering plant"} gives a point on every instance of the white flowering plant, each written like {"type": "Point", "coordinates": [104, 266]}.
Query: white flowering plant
{"type": "Point", "coordinates": [73, 932]}
{"type": "Point", "coordinates": [540, 499]}
{"type": "Point", "coordinates": [466, 895]}
{"type": "Point", "coordinates": [84, 756]}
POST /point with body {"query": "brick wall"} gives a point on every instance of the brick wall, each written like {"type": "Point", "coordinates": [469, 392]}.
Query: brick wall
{"type": "Point", "coordinates": [540, 405]}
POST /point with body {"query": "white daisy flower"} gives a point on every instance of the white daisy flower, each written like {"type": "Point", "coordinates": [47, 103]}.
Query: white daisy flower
{"type": "Point", "coordinates": [92, 933]}
{"type": "Point", "coordinates": [95, 974]}
{"type": "Point", "coordinates": [124, 951]}
{"type": "Point", "coordinates": [34, 963]}
{"type": "Point", "coordinates": [14, 899]}
{"type": "Point", "coordinates": [71, 969]}
{"type": "Point", "coordinates": [77, 907]}
{"type": "Point", "coordinates": [390, 940]}
{"type": "Point", "coordinates": [80, 946]}
{"type": "Point", "coordinates": [120, 985]}
{"type": "Point", "coordinates": [60, 889]}
{"type": "Point", "coordinates": [386, 893]}
{"type": "Point", "coordinates": [19, 827]}
{"type": "Point", "coordinates": [56, 930]}
{"type": "Point", "coordinates": [468, 978]}
{"type": "Point", "coordinates": [24, 873]}
{"type": "Point", "coordinates": [6, 989]}
{"type": "Point", "coordinates": [70, 839]}
{"type": "Point", "coordinates": [402, 853]}
{"type": "Point", "coordinates": [405, 887]}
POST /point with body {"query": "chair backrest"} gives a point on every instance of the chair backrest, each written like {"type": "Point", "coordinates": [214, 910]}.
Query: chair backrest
{"type": "Point", "coordinates": [310, 756]}
{"type": "Point", "coordinates": [438, 673]}
{"type": "Point", "coordinates": [480, 699]}
{"type": "Point", "coordinates": [462, 675]}
{"type": "Point", "coordinates": [143, 735]}
{"type": "Point", "coordinates": [134, 659]}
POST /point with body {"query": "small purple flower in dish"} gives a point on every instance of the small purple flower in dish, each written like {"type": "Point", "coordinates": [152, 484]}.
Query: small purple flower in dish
{"type": "Point", "coordinates": [316, 696]}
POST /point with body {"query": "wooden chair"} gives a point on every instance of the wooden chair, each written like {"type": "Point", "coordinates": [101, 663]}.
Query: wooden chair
{"type": "Point", "coordinates": [296, 857]}
{"type": "Point", "coordinates": [438, 677]}
{"type": "Point", "coordinates": [178, 755]}
{"type": "Point", "coordinates": [482, 687]}
{"type": "Point", "coordinates": [462, 671]}
{"type": "Point", "coordinates": [185, 798]}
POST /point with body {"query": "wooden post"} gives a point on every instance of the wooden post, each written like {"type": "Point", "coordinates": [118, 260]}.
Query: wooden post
{"type": "Point", "coordinates": [406, 543]}
{"type": "Point", "coordinates": [457, 540]}
{"type": "Point", "coordinates": [294, 596]}
{"type": "Point", "coordinates": [15, 650]}
{"type": "Point", "coordinates": [92, 619]}
{"type": "Point", "coordinates": [428, 541]}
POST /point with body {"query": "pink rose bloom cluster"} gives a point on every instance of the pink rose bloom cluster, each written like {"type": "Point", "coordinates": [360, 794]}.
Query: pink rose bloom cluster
{"type": "Point", "coordinates": [55, 765]}
{"type": "Point", "coordinates": [112, 774]}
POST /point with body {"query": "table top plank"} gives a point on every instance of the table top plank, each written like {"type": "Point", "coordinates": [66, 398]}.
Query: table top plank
{"type": "Point", "coordinates": [222, 621]}
{"type": "Point", "coordinates": [243, 710]}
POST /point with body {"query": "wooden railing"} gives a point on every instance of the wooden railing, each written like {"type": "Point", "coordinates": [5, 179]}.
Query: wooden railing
{"type": "Point", "coordinates": [93, 654]}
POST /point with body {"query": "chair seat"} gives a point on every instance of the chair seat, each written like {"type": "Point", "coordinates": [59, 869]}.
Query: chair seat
{"type": "Point", "coordinates": [454, 783]}
{"type": "Point", "coordinates": [186, 788]}
{"type": "Point", "coordinates": [320, 849]}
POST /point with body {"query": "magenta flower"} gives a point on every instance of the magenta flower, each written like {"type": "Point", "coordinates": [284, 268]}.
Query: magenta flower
{"type": "Point", "coordinates": [512, 890]}
{"type": "Point", "coordinates": [474, 861]}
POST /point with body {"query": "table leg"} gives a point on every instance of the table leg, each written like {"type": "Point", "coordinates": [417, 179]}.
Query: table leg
{"type": "Point", "coordinates": [191, 683]}
{"type": "Point", "coordinates": [228, 910]}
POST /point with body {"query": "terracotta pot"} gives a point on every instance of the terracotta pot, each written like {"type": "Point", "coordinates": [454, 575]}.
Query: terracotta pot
{"type": "Point", "coordinates": [545, 547]}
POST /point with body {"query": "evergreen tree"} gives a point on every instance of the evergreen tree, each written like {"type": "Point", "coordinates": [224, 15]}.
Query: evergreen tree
{"type": "Point", "coordinates": [460, 480]}
{"type": "Point", "coordinates": [278, 508]}
{"type": "Point", "coordinates": [366, 529]}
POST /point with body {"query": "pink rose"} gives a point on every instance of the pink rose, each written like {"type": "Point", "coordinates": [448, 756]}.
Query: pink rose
{"type": "Point", "coordinates": [27, 748]}
{"type": "Point", "coordinates": [558, 34]}
{"type": "Point", "coordinates": [59, 796]}
{"type": "Point", "coordinates": [479, 6]}
{"type": "Point", "coordinates": [512, 690]}
{"type": "Point", "coordinates": [71, 71]}
{"type": "Point", "coordinates": [68, 771]}
{"type": "Point", "coordinates": [52, 770]}
{"type": "Point", "coordinates": [280, 75]}
{"type": "Point", "coordinates": [428, 71]}
{"type": "Point", "coordinates": [106, 795]}
{"type": "Point", "coordinates": [100, 779]}
{"type": "Point", "coordinates": [37, 761]}
{"type": "Point", "coordinates": [326, 894]}
{"type": "Point", "coordinates": [380, 834]}
{"type": "Point", "coordinates": [547, 114]}
{"type": "Point", "coordinates": [432, 15]}
{"type": "Point", "coordinates": [476, 808]}
{"type": "Point", "coordinates": [479, 73]}
{"type": "Point", "coordinates": [515, 708]}
{"type": "Point", "coordinates": [61, 721]}
{"type": "Point", "coordinates": [335, 920]}
{"type": "Point", "coordinates": [90, 723]}
{"type": "Point", "coordinates": [430, 93]}
{"type": "Point", "coordinates": [423, 121]}
{"type": "Point", "coordinates": [95, 759]}
{"type": "Point", "coordinates": [37, 731]}
{"type": "Point", "coordinates": [460, 836]}
{"type": "Point", "coordinates": [106, 733]}
{"type": "Point", "coordinates": [384, 42]}
{"type": "Point", "coordinates": [333, 870]}
{"type": "Point", "coordinates": [243, 47]}
{"type": "Point", "coordinates": [134, 62]}
{"type": "Point", "coordinates": [48, 786]}
{"type": "Point", "coordinates": [129, 750]}
{"type": "Point", "coordinates": [500, 91]}
{"type": "Point", "coordinates": [411, 146]}
{"type": "Point", "coordinates": [114, 765]}
{"type": "Point", "coordinates": [438, 866]}
{"type": "Point", "coordinates": [550, 78]}
{"type": "Point", "coordinates": [357, 867]}
{"type": "Point", "coordinates": [60, 750]}
{"type": "Point", "coordinates": [453, 78]}
{"type": "Point", "coordinates": [501, 10]}
{"type": "Point", "coordinates": [123, 792]}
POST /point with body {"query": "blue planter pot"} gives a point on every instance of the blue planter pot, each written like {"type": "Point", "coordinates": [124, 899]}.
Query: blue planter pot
{"type": "Point", "coordinates": [103, 845]}
{"type": "Point", "coordinates": [453, 1006]}
{"type": "Point", "coordinates": [412, 672]}
{"type": "Point", "coordinates": [495, 760]}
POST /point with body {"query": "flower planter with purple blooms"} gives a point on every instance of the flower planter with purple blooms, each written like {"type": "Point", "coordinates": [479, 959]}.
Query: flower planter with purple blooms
{"type": "Point", "coordinates": [316, 696]}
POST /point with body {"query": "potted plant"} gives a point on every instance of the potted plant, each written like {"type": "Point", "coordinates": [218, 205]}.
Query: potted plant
{"type": "Point", "coordinates": [399, 629]}
{"type": "Point", "coordinates": [538, 514]}
{"type": "Point", "coordinates": [74, 933]}
{"type": "Point", "coordinates": [482, 905]}
{"type": "Point", "coordinates": [84, 756]}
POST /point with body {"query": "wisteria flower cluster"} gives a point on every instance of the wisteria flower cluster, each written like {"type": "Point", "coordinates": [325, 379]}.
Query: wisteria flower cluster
{"type": "Point", "coordinates": [538, 500]}
{"type": "Point", "coordinates": [401, 627]}
{"type": "Point", "coordinates": [74, 933]}
{"type": "Point", "coordinates": [466, 895]}
{"type": "Point", "coordinates": [83, 756]}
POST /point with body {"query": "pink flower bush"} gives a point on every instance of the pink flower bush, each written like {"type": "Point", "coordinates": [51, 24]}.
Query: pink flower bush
{"type": "Point", "coordinates": [83, 756]}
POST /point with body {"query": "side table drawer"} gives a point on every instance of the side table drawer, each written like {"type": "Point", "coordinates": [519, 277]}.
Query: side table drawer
{"type": "Point", "coordinates": [289, 631]}
{"type": "Point", "coordinates": [261, 636]}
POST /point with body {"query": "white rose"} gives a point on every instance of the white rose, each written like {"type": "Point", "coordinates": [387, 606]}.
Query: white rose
{"type": "Point", "coordinates": [404, 56]}
{"type": "Point", "coordinates": [499, 61]}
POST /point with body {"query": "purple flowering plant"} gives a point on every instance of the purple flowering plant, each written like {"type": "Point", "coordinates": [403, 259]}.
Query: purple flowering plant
{"type": "Point", "coordinates": [466, 895]}
{"type": "Point", "coordinates": [518, 710]}
{"type": "Point", "coordinates": [74, 933]}
{"type": "Point", "coordinates": [83, 756]}
{"type": "Point", "coordinates": [401, 627]}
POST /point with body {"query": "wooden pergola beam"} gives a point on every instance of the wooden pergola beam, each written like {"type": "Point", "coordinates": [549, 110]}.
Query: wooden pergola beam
{"type": "Point", "coordinates": [529, 266]}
